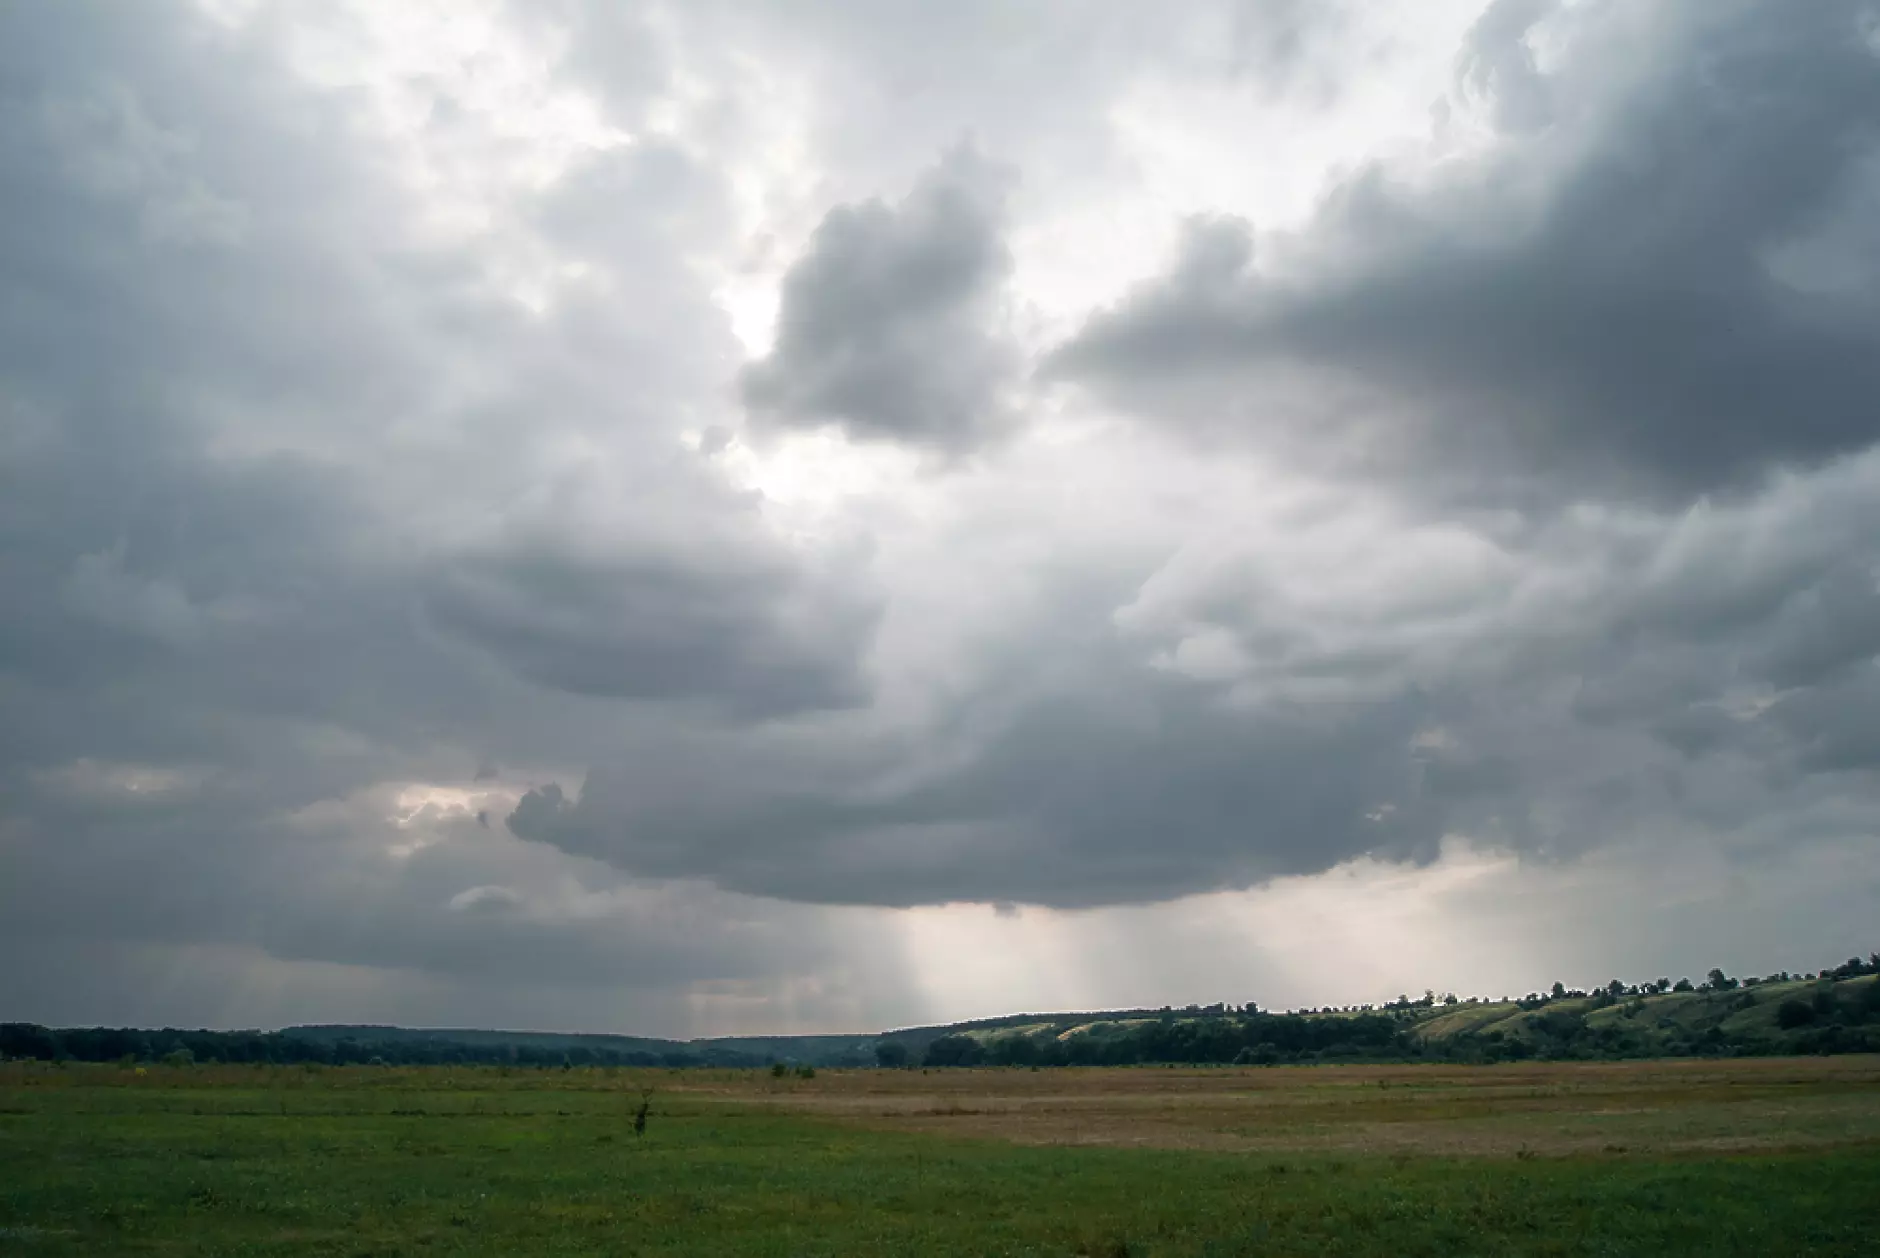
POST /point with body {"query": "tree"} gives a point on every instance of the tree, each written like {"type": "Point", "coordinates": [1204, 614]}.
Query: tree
{"type": "Point", "coordinates": [1793, 1013]}
{"type": "Point", "coordinates": [954, 1050]}
{"type": "Point", "coordinates": [1560, 991]}
{"type": "Point", "coordinates": [891, 1055]}
{"type": "Point", "coordinates": [1718, 981]}
{"type": "Point", "coordinates": [1682, 985]}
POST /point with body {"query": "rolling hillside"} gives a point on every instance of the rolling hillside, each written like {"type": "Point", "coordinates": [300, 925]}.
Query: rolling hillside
{"type": "Point", "coordinates": [1778, 1015]}
{"type": "Point", "coordinates": [1834, 1011]}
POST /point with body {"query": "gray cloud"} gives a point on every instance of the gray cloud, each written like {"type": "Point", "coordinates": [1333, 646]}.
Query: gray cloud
{"type": "Point", "coordinates": [1248, 711]}
{"type": "Point", "coordinates": [1626, 289]}
{"type": "Point", "coordinates": [331, 479]}
{"type": "Point", "coordinates": [716, 612]}
{"type": "Point", "coordinates": [1074, 799]}
{"type": "Point", "coordinates": [274, 457]}
{"type": "Point", "coordinates": [896, 82]}
{"type": "Point", "coordinates": [889, 326]}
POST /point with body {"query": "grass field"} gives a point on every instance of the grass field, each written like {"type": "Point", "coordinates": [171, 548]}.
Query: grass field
{"type": "Point", "coordinates": [1718, 1157]}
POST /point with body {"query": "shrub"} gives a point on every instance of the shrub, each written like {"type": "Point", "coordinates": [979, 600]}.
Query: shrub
{"type": "Point", "coordinates": [639, 1115]}
{"type": "Point", "coordinates": [1794, 1013]}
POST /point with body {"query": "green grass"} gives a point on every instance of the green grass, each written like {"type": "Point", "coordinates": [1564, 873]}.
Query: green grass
{"type": "Point", "coordinates": [394, 1162]}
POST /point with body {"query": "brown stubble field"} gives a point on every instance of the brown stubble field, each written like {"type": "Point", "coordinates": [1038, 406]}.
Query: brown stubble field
{"type": "Point", "coordinates": [1526, 1109]}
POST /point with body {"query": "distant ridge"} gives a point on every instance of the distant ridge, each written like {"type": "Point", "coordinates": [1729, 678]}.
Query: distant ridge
{"type": "Point", "coordinates": [1835, 1010]}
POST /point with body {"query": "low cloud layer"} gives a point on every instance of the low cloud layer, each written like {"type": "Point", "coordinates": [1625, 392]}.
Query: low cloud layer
{"type": "Point", "coordinates": [664, 521]}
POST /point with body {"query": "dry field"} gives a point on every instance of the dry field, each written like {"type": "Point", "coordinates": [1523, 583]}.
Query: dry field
{"type": "Point", "coordinates": [1648, 1107]}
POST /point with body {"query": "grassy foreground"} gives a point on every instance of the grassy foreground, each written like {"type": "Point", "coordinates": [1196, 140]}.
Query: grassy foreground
{"type": "Point", "coordinates": [97, 1160]}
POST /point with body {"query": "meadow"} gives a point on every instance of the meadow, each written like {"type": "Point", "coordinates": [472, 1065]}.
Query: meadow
{"type": "Point", "coordinates": [1716, 1157]}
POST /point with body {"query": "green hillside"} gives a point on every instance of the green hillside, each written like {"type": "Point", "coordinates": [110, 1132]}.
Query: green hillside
{"type": "Point", "coordinates": [1837, 1011]}
{"type": "Point", "coordinates": [1833, 1011]}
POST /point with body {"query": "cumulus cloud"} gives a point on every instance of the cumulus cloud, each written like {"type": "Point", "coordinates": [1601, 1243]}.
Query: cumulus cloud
{"type": "Point", "coordinates": [890, 323]}
{"type": "Point", "coordinates": [376, 411]}
{"type": "Point", "coordinates": [1606, 289]}
{"type": "Point", "coordinates": [1283, 695]}
{"type": "Point", "coordinates": [277, 500]}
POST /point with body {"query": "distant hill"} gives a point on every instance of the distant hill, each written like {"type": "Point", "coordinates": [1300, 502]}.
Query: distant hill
{"type": "Point", "coordinates": [585, 1048]}
{"type": "Point", "coordinates": [1832, 1011]}
{"type": "Point", "coordinates": [1835, 1013]}
{"type": "Point", "coordinates": [366, 1034]}
{"type": "Point", "coordinates": [1837, 1010]}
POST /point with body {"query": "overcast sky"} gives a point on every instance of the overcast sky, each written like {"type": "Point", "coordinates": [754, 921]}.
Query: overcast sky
{"type": "Point", "coordinates": [714, 517]}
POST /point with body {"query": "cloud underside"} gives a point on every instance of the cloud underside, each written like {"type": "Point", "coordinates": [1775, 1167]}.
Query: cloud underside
{"type": "Point", "coordinates": [1657, 278]}
{"type": "Point", "coordinates": [408, 568]}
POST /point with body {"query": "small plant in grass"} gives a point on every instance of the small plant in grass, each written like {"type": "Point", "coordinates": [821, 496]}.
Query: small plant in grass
{"type": "Point", "coordinates": [639, 1115]}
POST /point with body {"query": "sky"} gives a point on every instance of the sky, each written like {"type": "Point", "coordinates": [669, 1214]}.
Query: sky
{"type": "Point", "coordinates": [714, 517]}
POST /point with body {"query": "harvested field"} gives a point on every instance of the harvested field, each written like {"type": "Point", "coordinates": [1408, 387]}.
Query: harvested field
{"type": "Point", "coordinates": [1549, 1108]}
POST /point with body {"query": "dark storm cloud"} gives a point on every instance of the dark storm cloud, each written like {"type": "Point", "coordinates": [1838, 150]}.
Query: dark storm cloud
{"type": "Point", "coordinates": [1635, 287]}
{"type": "Point", "coordinates": [206, 477]}
{"type": "Point", "coordinates": [269, 456]}
{"type": "Point", "coordinates": [1254, 713]}
{"type": "Point", "coordinates": [889, 323]}
{"type": "Point", "coordinates": [1066, 774]}
{"type": "Point", "coordinates": [1072, 803]}
{"type": "Point", "coordinates": [303, 507]}
{"type": "Point", "coordinates": [719, 617]}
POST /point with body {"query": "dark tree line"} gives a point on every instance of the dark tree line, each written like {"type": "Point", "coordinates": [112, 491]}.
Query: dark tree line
{"type": "Point", "coordinates": [28, 1040]}
{"type": "Point", "coordinates": [1825, 1019]}
{"type": "Point", "coordinates": [1837, 1021]}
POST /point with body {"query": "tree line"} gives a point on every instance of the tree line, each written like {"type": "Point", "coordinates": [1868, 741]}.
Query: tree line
{"type": "Point", "coordinates": [31, 1041]}
{"type": "Point", "coordinates": [1823, 1018]}
{"type": "Point", "coordinates": [1828, 1019]}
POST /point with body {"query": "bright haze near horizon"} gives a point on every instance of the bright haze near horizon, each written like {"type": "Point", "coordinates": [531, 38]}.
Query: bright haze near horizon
{"type": "Point", "coordinates": [711, 518]}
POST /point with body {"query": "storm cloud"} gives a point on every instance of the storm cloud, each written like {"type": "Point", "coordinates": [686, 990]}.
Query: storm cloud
{"type": "Point", "coordinates": [888, 326]}
{"type": "Point", "coordinates": [684, 520]}
{"type": "Point", "coordinates": [1655, 272]}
